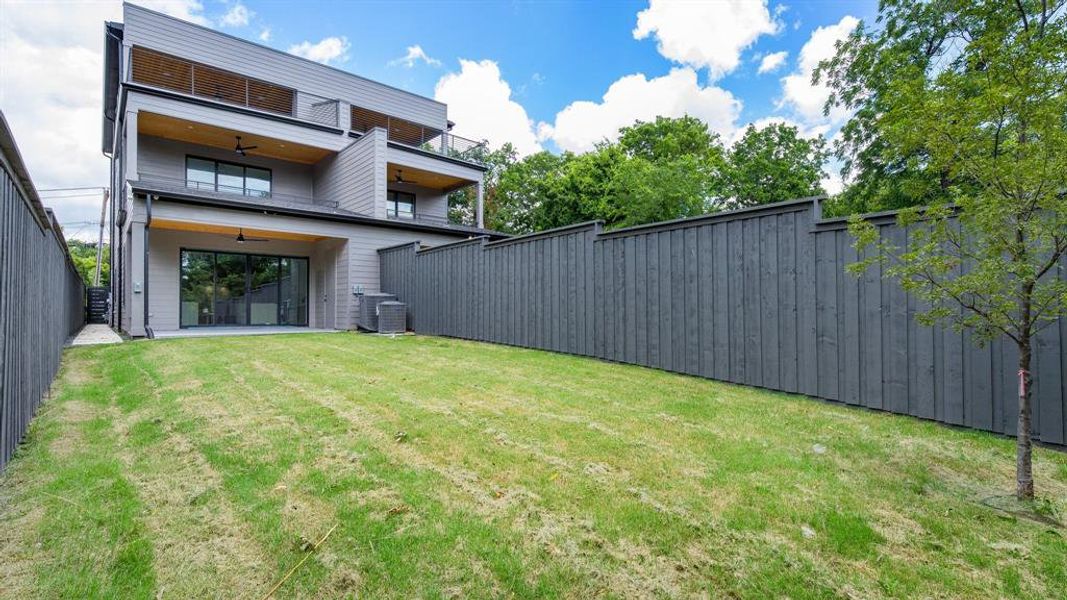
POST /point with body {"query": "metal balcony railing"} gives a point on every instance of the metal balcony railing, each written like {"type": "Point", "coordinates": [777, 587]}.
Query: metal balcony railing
{"type": "Point", "coordinates": [425, 138]}
{"type": "Point", "coordinates": [427, 219]}
{"type": "Point", "coordinates": [214, 189]}
{"type": "Point", "coordinates": [160, 70]}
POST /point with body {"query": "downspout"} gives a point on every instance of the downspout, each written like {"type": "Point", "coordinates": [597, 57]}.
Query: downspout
{"type": "Point", "coordinates": [147, 222]}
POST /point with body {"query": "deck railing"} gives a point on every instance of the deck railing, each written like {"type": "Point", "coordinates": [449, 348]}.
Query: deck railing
{"type": "Point", "coordinates": [211, 189]}
{"type": "Point", "coordinates": [423, 137]}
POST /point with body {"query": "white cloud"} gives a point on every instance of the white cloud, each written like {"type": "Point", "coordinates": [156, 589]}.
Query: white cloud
{"type": "Point", "coordinates": [414, 55]}
{"type": "Point", "coordinates": [832, 183]}
{"type": "Point", "coordinates": [480, 102]}
{"type": "Point", "coordinates": [705, 34]}
{"type": "Point", "coordinates": [803, 129]}
{"type": "Point", "coordinates": [237, 16]}
{"type": "Point", "coordinates": [326, 51]}
{"type": "Point", "coordinates": [186, 10]}
{"type": "Point", "coordinates": [50, 91]}
{"type": "Point", "coordinates": [798, 93]}
{"type": "Point", "coordinates": [771, 62]}
{"type": "Point", "coordinates": [265, 35]}
{"type": "Point", "coordinates": [582, 124]}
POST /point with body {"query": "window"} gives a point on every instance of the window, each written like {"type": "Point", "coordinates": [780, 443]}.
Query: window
{"type": "Point", "coordinates": [229, 288]}
{"type": "Point", "coordinates": [219, 176]}
{"type": "Point", "coordinates": [400, 205]}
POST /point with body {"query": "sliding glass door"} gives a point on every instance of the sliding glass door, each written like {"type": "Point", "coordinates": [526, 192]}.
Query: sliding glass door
{"type": "Point", "coordinates": [227, 288]}
{"type": "Point", "coordinates": [293, 297]}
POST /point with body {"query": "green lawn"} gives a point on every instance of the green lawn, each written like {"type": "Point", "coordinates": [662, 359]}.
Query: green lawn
{"type": "Point", "coordinates": [206, 467]}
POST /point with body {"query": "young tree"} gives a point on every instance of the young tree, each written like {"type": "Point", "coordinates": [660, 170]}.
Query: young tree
{"type": "Point", "coordinates": [986, 108]}
{"type": "Point", "coordinates": [774, 164]}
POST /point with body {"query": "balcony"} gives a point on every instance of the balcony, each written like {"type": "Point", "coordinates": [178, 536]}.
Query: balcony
{"type": "Point", "coordinates": [165, 71]}
{"type": "Point", "coordinates": [216, 190]}
{"type": "Point", "coordinates": [417, 136]}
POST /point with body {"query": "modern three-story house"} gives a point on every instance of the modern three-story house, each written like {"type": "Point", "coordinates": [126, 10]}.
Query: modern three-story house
{"type": "Point", "coordinates": [253, 188]}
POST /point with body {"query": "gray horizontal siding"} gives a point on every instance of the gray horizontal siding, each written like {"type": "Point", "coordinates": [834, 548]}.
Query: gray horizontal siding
{"type": "Point", "coordinates": [159, 157]}
{"type": "Point", "coordinates": [248, 124]}
{"type": "Point", "coordinates": [149, 29]}
{"type": "Point", "coordinates": [355, 176]}
{"type": "Point", "coordinates": [428, 201]}
{"type": "Point", "coordinates": [354, 246]}
{"type": "Point", "coordinates": [758, 298]}
{"type": "Point", "coordinates": [420, 160]}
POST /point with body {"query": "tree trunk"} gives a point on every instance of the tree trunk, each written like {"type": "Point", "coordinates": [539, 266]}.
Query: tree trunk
{"type": "Point", "coordinates": [1024, 477]}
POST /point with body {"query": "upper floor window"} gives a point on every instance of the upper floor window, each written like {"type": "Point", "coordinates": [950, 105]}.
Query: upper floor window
{"type": "Point", "coordinates": [220, 176]}
{"type": "Point", "coordinates": [400, 205]}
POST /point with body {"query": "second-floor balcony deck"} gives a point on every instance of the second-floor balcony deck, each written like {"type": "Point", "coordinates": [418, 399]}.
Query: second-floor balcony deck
{"type": "Point", "coordinates": [418, 136]}
{"type": "Point", "coordinates": [164, 71]}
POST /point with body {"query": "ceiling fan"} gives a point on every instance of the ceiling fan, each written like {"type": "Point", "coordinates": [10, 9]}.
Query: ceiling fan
{"type": "Point", "coordinates": [242, 239]}
{"type": "Point", "coordinates": [400, 178]}
{"type": "Point", "coordinates": [241, 149]}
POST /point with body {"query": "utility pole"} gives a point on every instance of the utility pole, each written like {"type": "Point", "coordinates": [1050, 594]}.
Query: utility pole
{"type": "Point", "coordinates": [100, 242]}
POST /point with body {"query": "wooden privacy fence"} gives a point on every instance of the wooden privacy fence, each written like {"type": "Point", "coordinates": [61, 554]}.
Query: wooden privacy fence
{"type": "Point", "coordinates": [757, 297]}
{"type": "Point", "coordinates": [41, 297]}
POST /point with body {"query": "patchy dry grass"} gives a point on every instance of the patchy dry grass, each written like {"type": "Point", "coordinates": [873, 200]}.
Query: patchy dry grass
{"type": "Point", "coordinates": [207, 467]}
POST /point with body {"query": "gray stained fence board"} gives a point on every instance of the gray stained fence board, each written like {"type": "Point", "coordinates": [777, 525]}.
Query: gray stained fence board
{"type": "Point", "coordinates": [757, 297]}
{"type": "Point", "coordinates": [41, 301]}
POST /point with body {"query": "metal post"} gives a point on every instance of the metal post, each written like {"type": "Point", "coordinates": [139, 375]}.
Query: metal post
{"type": "Point", "coordinates": [100, 242]}
{"type": "Point", "coordinates": [479, 209]}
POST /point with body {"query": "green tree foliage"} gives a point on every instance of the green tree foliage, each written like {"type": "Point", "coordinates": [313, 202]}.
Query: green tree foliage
{"type": "Point", "coordinates": [978, 98]}
{"type": "Point", "coordinates": [871, 69]}
{"type": "Point", "coordinates": [462, 203]}
{"type": "Point", "coordinates": [670, 168]}
{"type": "Point", "coordinates": [774, 164]}
{"type": "Point", "coordinates": [665, 169]}
{"type": "Point", "coordinates": [84, 256]}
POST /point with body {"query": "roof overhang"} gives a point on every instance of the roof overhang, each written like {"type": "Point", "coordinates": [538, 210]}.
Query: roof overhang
{"type": "Point", "coordinates": [308, 213]}
{"type": "Point", "coordinates": [112, 62]}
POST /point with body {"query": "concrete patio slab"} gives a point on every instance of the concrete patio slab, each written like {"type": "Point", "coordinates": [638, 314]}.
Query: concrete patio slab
{"type": "Point", "coordinates": [230, 331]}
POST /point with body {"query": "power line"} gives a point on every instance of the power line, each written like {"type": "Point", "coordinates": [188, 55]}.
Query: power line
{"type": "Point", "coordinates": [71, 189]}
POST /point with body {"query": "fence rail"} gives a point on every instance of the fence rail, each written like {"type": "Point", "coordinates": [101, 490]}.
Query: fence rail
{"type": "Point", "coordinates": [756, 297]}
{"type": "Point", "coordinates": [41, 297]}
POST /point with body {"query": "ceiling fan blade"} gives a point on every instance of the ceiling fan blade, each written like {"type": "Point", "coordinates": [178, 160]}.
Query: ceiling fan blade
{"type": "Point", "coordinates": [249, 147]}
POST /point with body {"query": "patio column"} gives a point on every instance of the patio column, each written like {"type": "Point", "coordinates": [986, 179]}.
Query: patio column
{"type": "Point", "coordinates": [479, 209]}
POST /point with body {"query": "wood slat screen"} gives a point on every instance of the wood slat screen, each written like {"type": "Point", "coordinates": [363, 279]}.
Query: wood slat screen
{"type": "Point", "coordinates": [400, 130]}
{"type": "Point", "coordinates": [170, 72]}
{"type": "Point", "coordinates": [364, 120]}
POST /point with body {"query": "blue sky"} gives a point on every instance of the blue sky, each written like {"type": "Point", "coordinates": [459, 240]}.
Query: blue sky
{"type": "Point", "coordinates": [551, 53]}
{"type": "Point", "coordinates": [542, 75]}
